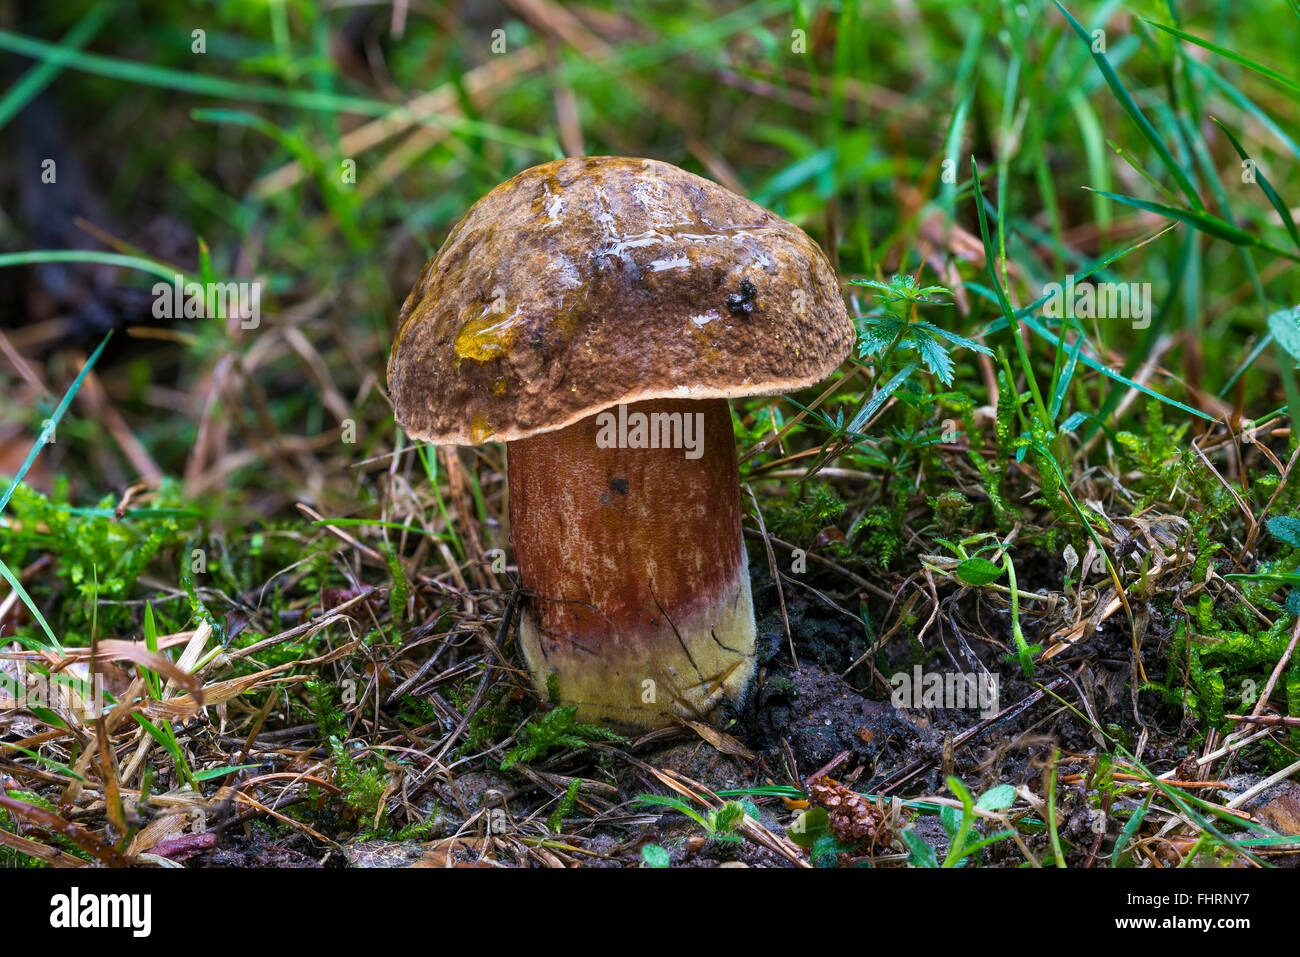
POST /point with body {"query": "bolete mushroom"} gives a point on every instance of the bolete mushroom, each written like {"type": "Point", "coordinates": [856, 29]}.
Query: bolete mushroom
{"type": "Point", "coordinates": [596, 314]}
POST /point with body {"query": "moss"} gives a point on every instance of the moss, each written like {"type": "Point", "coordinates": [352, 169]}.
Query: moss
{"type": "Point", "coordinates": [363, 782]}
{"type": "Point", "coordinates": [100, 557]}
{"type": "Point", "coordinates": [799, 519]}
{"type": "Point", "coordinates": [878, 534]}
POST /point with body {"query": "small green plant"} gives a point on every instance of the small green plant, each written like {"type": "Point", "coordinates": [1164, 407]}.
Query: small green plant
{"type": "Point", "coordinates": [397, 597]}
{"type": "Point", "coordinates": [364, 783]}
{"type": "Point", "coordinates": [565, 807]}
{"type": "Point", "coordinates": [896, 327]}
{"type": "Point", "coordinates": [14, 858]}
{"type": "Point", "coordinates": [977, 571]}
{"type": "Point", "coordinates": [965, 840]}
{"type": "Point", "coordinates": [101, 556]}
{"type": "Point", "coordinates": [322, 705]}
{"type": "Point", "coordinates": [719, 824]}
{"type": "Point", "coordinates": [1282, 570]}
{"type": "Point", "coordinates": [799, 520]}
{"type": "Point", "coordinates": [557, 728]}
{"type": "Point", "coordinates": [886, 336]}
{"type": "Point", "coordinates": [652, 855]}
{"type": "Point", "coordinates": [812, 830]}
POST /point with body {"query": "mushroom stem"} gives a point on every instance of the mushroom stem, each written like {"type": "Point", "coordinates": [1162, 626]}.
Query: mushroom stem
{"type": "Point", "coordinates": [627, 530]}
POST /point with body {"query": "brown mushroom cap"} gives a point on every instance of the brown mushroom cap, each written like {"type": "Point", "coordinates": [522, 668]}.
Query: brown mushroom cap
{"type": "Point", "coordinates": [583, 283]}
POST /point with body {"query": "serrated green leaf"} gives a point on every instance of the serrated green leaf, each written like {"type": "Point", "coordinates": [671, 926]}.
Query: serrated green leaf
{"type": "Point", "coordinates": [956, 339]}
{"type": "Point", "coordinates": [1286, 528]}
{"type": "Point", "coordinates": [932, 353]}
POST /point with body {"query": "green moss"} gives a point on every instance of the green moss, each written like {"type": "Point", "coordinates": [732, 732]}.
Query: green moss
{"type": "Point", "coordinates": [878, 534]}
{"type": "Point", "coordinates": [557, 728]}
{"type": "Point", "coordinates": [565, 807]}
{"type": "Point", "coordinates": [799, 520]}
{"type": "Point", "coordinates": [99, 556]}
{"type": "Point", "coordinates": [363, 782]}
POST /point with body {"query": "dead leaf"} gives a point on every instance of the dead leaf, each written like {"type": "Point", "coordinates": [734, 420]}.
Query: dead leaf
{"type": "Point", "coordinates": [1282, 813]}
{"type": "Point", "coordinates": [720, 741]}
{"type": "Point", "coordinates": [112, 649]}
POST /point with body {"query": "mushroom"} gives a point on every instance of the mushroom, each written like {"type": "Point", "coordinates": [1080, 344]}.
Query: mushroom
{"type": "Point", "coordinates": [596, 314]}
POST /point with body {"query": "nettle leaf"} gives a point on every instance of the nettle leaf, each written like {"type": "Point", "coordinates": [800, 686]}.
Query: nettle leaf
{"type": "Point", "coordinates": [955, 339]}
{"type": "Point", "coordinates": [902, 289]}
{"type": "Point", "coordinates": [932, 353]}
{"type": "Point", "coordinates": [978, 571]}
{"type": "Point", "coordinates": [931, 291]}
{"type": "Point", "coordinates": [871, 284]}
{"type": "Point", "coordinates": [1285, 528]}
{"type": "Point", "coordinates": [877, 333]}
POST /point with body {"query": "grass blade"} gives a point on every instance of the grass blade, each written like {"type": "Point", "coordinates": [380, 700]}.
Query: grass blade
{"type": "Point", "coordinates": [1203, 221]}
{"type": "Point", "coordinates": [889, 388]}
{"type": "Point", "coordinates": [1274, 199]}
{"type": "Point", "coordinates": [1135, 114]}
{"type": "Point", "coordinates": [32, 257]}
{"type": "Point", "coordinates": [184, 82]}
{"type": "Point", "coordinates": [1012, 323]}
{"type": "Point", "coordinates": [26, 599]}
{"type": "Point", "coordinates": [31, 83]}
{"type": "Point", "coordinates": [1237, 58]}
{"type": "Point", "coordinates": [52, 423]}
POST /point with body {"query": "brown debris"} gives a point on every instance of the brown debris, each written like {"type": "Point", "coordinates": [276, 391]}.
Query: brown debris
{"type": "Point", "coordinates": [853, 817]}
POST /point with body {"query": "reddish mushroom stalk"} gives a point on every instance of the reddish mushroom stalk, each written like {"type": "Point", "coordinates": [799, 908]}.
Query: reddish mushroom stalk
{"type": "Point", "coordinates": [639, 603]}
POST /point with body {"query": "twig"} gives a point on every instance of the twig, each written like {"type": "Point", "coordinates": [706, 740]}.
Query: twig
{"type": "Point", "coordinates": [1274, 720]}
{"type": "Point", "coordinates": [776, 576]}
{"type": "Point", "coordinates": [503, 632]}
